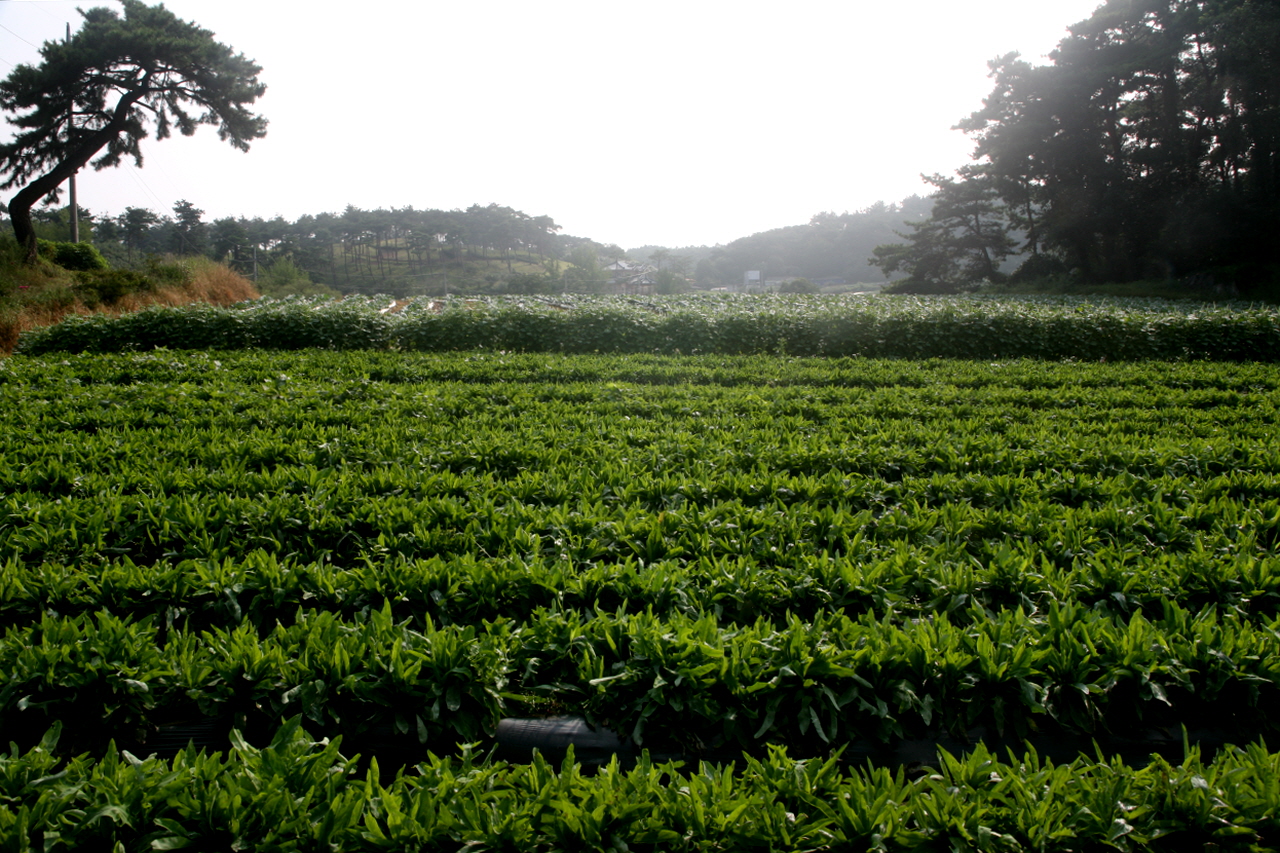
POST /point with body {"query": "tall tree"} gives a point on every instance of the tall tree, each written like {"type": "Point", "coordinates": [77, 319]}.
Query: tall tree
{"type": "Point", "coordinates": [134, 223]}
{"type": "Point", "coordinates": [1149, 146]}
{"type": "Point", "coordinates": [229, 238]}
{"type": "Point", "coordinates": [962, 243]}
{"type": "Point", "coordinates": [55, 223]}
{"type": "Point", "coordinates": [189, 237]}
{"type": "Point", "coordinates": [96, 94]}
{"type": "Point", "coordinates": [542, 229]}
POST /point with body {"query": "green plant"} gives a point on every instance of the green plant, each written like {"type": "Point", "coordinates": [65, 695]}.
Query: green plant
{"type": "Point", "coordinates": [167, 273]}
{"type": "Point", "coordinates": [285, 278]}
{"type": "Point", "coordinates": [1038, 267]}
{"type": "Point", "coordinates": [799, 285]}
{"type": "Point", "coordinates": [72, 256]}
{"type": "Point", "coordinates": [108, 286]}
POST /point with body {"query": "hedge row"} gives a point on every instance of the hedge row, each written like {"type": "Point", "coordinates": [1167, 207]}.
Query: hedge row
{"type": "Point", "coordinates": [883, 327]}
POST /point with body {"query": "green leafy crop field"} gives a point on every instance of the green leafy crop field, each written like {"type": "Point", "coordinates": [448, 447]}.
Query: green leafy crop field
{"type": "Point", "coordinates": [731, 324]}
{"type": "Point", "coordinates": [782, 567]}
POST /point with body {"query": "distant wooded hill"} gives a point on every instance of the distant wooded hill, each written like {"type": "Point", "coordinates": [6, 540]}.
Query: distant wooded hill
{"type": "Point", "coordinates": [831, 246]}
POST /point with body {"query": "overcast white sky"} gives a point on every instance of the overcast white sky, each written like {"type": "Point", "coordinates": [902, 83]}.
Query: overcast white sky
{"type": "Point", "coordinates": [656, 122]}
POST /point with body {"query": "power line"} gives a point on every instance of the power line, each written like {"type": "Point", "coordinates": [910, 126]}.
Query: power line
{"type": "Point", "coordinates": [38, 5]}
{"type": "Point", "coordinates": [18, 37]}
{"type": "Point", "coordinates": [137, 177]}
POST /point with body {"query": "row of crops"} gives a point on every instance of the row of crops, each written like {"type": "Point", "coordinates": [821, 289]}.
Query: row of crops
{"type": "Point", "coordinates": [299, 794]}
{"type": "Point", "coordinates": [849, 326]}
{"type": "Point", "coordinates": [782, 567]}
{"type": "Point", "coordinates": [670, 681]}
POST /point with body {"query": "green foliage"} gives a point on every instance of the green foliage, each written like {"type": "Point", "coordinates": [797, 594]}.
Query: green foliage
{"type": "Point", "coordinates": [960, 245]}
{"type": "Point", "coordinates": [168, 273]}
{"type": "Point", "coordinates": [182, 65]}
{"type": "Point", "coordinates": [778, 562]}
{"type": "Point", "coordinates": [107, 286]}
{"type": "Point", "coordinates": [531, 283]}
{"type": "Point", "coordinates": [1038, 267]}
{"type": "Point", "coordinates": [93, 96]}
{"type": "Point", "coordinates": [799, 285]}
{"type": "Point", "coordinates": [73, 256]}
{"type": "Point", "coordinates": [668, 282]}
{"type": "Point", "coordinates": [833, 326]}
{"type": "Point", "coordinates": [300, 793]}
{"type": "Point", "coordinates": [189, 233]}
{"type": "Point", "coordinates": [585, 275]}
{"type": "Point", "coordinates": [285, 278]}
{"type": "Point", "coordinates": [133, 226]}
{"type": "Point", "coordinates": [686, 562]}
{"type": "Point", "coordinates": [1095, 157]}
{"type": "Point", "coordinates": [55, 224]}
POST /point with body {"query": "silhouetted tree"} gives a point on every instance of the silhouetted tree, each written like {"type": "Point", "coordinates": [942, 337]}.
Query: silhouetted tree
{"type": "Point", "coordinates": [100, 90]}
{"type": "Point", "coordinates": [1149, 146]}
{"type": "Point", "coordinates": [189, 237]}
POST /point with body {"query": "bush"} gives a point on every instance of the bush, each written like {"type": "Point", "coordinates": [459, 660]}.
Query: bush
{"type": "Point", "coordinates": [106, 287]}
{"type": "Point", "coordinates": [168, 273]}
{"type": "Point", "coordinates": [921, 287]}
{"type": "Point", "coordinates": [1038, 267]}
{"type": "Point", "coordinates": [956, 327]}
{"type": "Point", "coordinates": [72, 256]}
{"type": "Point", "coordinates": [285, 278]}
{"type": "Point", "coordinates": [799, 285]}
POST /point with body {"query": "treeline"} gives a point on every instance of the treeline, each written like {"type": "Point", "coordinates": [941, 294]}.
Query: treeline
{"type": "Point", "coordinates": [491, 248]}
{"type": "Point", "coordinates": [398, 251]}
{"type": "Point", "coordinates": [1148, 148]}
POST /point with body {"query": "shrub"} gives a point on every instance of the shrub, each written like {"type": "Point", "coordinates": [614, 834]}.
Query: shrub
{"type": "Point", "coordinates": [73, 256]}
{"type": "Point", "coordinates": [106, 287]}
{"type": "Point", "coordinates": [931, 287]}
{"type": "Point", "coordinates": [1038, 267]}
{"type": "Point", "coordinates": [954, 327]}
{"type": "Point", "coordinates": [168, 273]}
{"type": "Point", "coordinates": [285, 278]}
{"type": "Point", "coordinates": [799, 285]}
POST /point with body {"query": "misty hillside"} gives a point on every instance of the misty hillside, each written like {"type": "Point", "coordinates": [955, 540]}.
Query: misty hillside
{"type": "Point", "coordinates": [831, 246]}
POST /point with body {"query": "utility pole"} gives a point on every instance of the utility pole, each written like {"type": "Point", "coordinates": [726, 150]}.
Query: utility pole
{"type": "Point", "coordinates": [75, 213]}
{"type": "Point", "coordinates": [75, 206]}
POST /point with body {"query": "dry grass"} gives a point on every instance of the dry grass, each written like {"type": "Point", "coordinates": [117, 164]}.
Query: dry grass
{"type": "Point", "coordinates": [13, 324]}
{"type": "Point", "coordinates": [208, 282]}
{"type": "Point", "coordinates": [212, 283]}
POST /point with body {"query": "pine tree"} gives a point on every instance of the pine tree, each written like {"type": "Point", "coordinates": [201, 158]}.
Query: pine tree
{"type": "Point", "coordinates": [96, 94]}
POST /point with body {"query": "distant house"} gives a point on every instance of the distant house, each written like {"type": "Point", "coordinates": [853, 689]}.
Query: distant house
{"type": "Point", "coordinates": [631, 276]}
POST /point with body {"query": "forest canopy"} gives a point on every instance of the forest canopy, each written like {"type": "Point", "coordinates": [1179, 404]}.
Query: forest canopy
{"type": "Point", "coordinates": [1148, 148]}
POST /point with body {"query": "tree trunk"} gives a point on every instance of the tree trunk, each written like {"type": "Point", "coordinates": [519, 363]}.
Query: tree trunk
{"type": "Point", "coordinates": [20, 216]}
{"type": "Point", "coordinates": [20, 205]}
